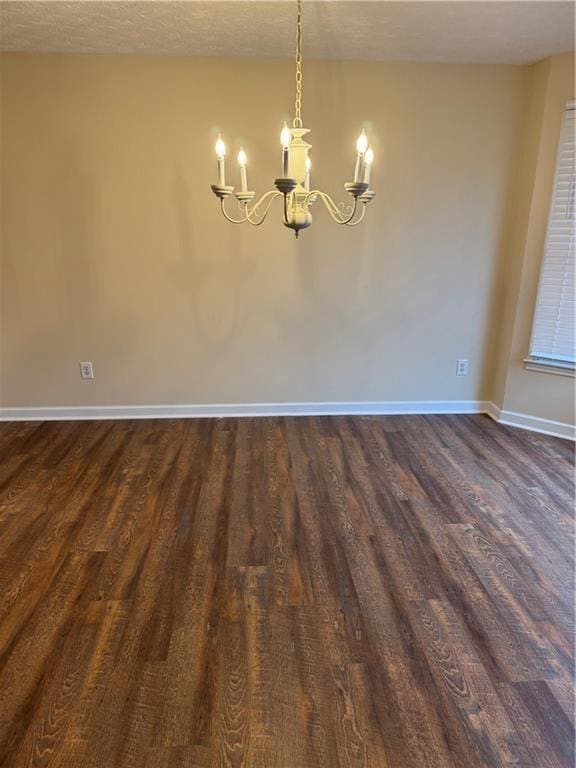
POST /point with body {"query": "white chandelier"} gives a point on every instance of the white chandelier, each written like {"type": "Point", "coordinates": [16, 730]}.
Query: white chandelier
{"type": "Point", "coordinates": [294, 184]}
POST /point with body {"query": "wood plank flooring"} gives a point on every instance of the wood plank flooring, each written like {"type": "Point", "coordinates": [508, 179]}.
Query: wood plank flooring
{"type": "Point", "coordinates": [361, 592]}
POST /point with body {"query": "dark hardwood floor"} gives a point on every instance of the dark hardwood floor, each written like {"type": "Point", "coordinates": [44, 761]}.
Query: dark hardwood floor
{"type": "Point", "coordinates": [294, 593]}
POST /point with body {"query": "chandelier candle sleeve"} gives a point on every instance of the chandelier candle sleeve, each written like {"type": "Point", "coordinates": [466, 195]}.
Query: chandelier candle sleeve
{"type": "Point", "coordinates": [368, 160]}
{"type": "Point", "coordinates": [308, 166]}
{"type": "Point", "coordinates": [221, 154]}
{"type": "Point", "coordinates": [242, 163]}
{"type": "Point", "coordinates": [285, 139]}
{"type": "Point", "coordinates": [361, 147]}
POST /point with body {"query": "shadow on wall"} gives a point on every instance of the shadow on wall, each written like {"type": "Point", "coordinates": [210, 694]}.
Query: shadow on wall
{"type": "Point", "coordinates": [496, 334]}
{"type": "Point", "coordinates": [211, 284]}
{"type": "Point", "coordinates": [327, 310]}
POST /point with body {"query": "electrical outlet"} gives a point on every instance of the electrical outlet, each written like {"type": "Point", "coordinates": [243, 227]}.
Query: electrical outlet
{"type": "Point", "coordinates": [461, 367]}
{"type": "Point", "coordinates": [86, 370]}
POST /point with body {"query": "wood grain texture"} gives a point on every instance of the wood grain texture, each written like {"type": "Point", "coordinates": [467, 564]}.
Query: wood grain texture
{"type": "Point", "coordinates": [393, 592]}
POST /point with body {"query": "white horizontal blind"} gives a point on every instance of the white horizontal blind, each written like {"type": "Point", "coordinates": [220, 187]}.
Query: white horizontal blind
{"type": "Point", "coordinates": [553, 331]}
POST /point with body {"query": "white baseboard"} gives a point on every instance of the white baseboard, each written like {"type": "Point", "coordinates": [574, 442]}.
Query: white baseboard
{"type": "Point", "coordinates": [532, 423]}
{"type": "Point", "coordinates": [390, 407]}
{"type": "Point", "coordinates": [493, 411]}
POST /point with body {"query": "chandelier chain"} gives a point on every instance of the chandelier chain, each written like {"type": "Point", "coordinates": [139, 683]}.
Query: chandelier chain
{"type": "Point", "coordinates": [297, 122]}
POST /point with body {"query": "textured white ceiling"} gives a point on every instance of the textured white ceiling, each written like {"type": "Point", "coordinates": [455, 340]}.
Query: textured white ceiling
{"type": "Point", "coordinates": [491, 31]}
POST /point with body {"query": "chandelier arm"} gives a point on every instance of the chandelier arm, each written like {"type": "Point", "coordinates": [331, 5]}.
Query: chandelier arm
{"type": "Point", "coordinates": [333, 209]}
{"type": "Point", "coordinates": [354, 209]}
{"type": "Point", "coordinates": [341, 210]}
{"type": "Point", "coordinates": [347, 219]}
{"type": "Point", "coordinates": [328, 202]}
{"type": "Point", "coordinates": [248, 212]}
{"type": "Point", "coordinates": [262, 216]}
{"type": "Point", "coordinates": [229, 218]}
{"type": "Point", "coordinates": [359, 219]}
{"type": "Point", "coordinates": [285, 210]}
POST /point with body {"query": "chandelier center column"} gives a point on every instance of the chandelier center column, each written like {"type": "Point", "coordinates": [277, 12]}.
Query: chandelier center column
{"type": "Point", "coordinates": [298, 153]}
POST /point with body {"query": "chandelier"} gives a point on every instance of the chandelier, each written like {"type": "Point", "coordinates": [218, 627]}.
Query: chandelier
{"type": "Point", "coordinates": [294, 184]}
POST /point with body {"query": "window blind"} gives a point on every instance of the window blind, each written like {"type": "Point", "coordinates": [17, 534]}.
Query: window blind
{"type": "Point", "coordinates": [553, 330]}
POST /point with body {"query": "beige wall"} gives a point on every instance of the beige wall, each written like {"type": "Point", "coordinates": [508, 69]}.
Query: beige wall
{"type": "Point", "coordinates": [113, 248]}
{"type": "Point", "coordinates": [544, 395]}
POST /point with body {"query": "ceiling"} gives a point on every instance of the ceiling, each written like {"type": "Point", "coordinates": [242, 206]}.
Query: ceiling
{"type": "Point", "coordinates": [517, 32]}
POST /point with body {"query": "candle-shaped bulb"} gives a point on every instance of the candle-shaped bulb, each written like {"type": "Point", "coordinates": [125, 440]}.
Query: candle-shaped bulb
{"type": "Point", "coordinates": [362, 143]}
{"type": "Point", "coordinates": [242, 163]}
{"type": "Point", "coordinates": [285, 136]}
{"type": "Point", "coordinates": [220, 154]}
{"type": "Point", "coordinates": [220, 148]}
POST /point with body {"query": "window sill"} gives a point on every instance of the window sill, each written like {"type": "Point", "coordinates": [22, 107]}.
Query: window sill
{"type": "Point", "coordinates": [557, 367]}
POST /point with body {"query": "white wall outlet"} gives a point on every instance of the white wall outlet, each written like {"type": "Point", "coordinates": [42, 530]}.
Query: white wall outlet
{"type": "Point", "coordinates": [86, 370]}
{"type": "Point", "coordinates": [461, 367]}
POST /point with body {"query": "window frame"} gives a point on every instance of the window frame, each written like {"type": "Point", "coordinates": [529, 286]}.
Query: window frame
{"type": "Point", "coordinates": [535, 362]}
